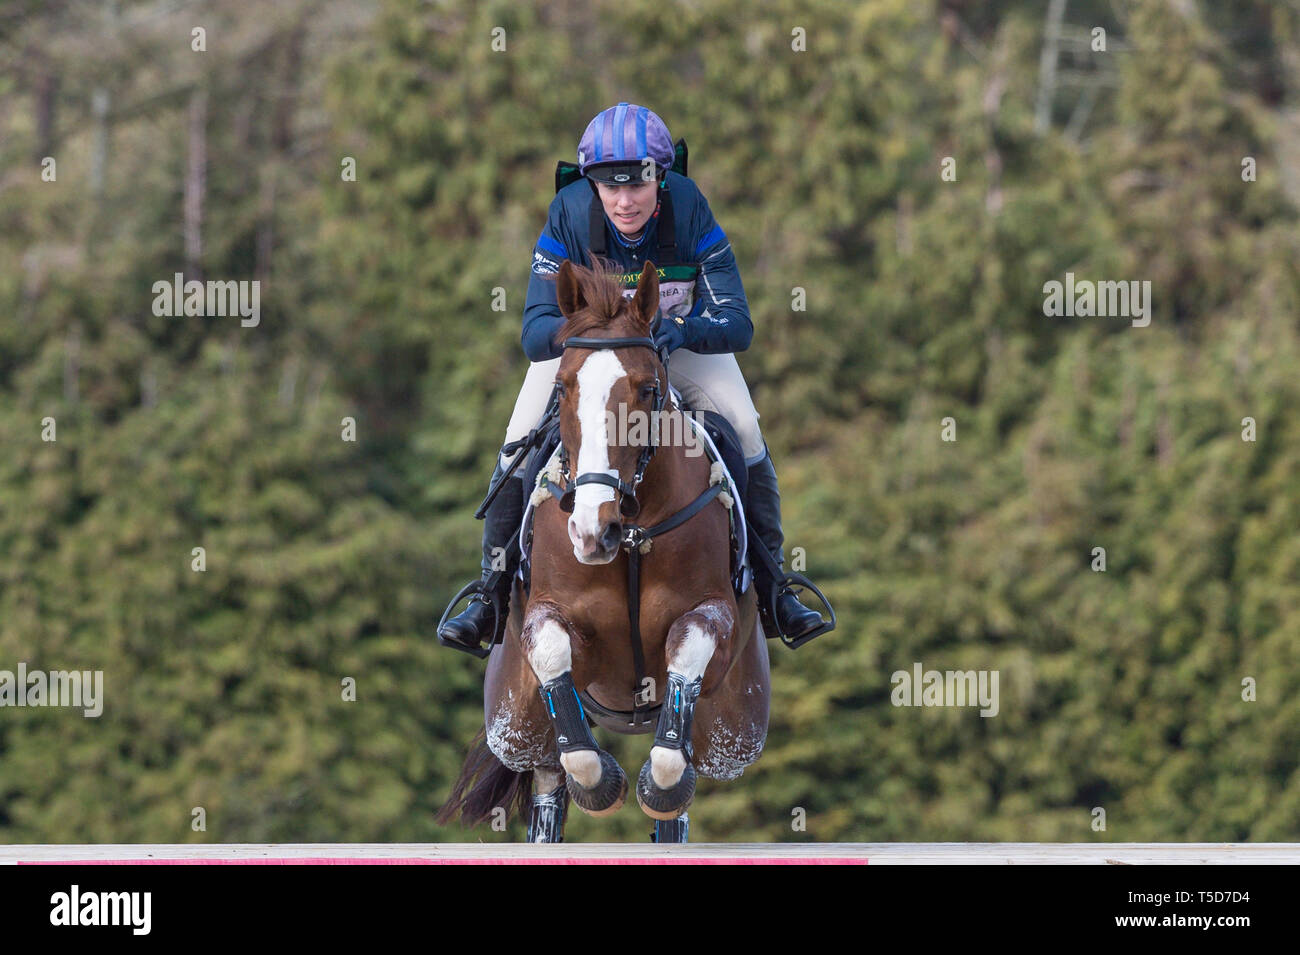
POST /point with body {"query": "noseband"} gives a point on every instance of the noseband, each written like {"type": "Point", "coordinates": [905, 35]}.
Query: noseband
{"type": "Point", "coordinates": [628, 505]}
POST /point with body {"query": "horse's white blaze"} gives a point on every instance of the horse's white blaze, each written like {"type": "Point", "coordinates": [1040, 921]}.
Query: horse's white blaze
{"type": "Point", "coordinates": [596, 380]}
{"type": "Point", "coordinates": [550, 653]}
{"type": "Point", "coordinates": [690, 659]}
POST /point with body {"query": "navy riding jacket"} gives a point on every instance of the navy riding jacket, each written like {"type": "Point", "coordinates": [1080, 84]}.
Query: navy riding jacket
{"type": "Point", "coordinates": [703, 287]}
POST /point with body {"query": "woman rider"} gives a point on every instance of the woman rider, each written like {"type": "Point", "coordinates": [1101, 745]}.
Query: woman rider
{"type": "Point", "coordinates": [626, 157]}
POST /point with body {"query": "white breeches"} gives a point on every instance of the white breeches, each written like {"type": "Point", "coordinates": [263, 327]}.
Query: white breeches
{"type": "Point", "coordinates": [707, 382]}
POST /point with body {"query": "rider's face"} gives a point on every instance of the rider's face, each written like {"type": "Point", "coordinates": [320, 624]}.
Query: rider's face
{"type": "Point", "coordinates": [629, 206]}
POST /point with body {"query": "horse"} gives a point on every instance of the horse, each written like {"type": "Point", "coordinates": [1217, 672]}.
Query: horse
{"type": "Point", "coordinates": [586, 636]}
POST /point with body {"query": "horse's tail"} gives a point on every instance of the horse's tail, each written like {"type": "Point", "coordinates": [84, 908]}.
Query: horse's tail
{"type": "Point", "coordinates": [486, 784]}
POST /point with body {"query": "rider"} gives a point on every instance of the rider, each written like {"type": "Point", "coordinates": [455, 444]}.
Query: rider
{"type": "Point", "coordinates": [626, 157]}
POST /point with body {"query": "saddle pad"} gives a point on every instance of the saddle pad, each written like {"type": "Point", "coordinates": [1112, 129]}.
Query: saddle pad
{"type": "Point", "coordinates": [540, 458]}
{"type": "Point", "coordinates": [728, 445]}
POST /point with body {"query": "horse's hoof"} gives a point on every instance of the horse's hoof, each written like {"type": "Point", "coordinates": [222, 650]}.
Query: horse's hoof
{"type": "Point", "coordinates": [608, 795]}
{"type": "Point", "coordinates": [667, 803]}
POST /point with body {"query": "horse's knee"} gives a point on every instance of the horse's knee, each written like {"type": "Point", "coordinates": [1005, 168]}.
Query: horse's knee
{"type": "Point", "coordinates": [701, 637]}
{"type": "Point", "coordinates": [516, 741]}
{"type": "Point", "coordinates": [547, 645]}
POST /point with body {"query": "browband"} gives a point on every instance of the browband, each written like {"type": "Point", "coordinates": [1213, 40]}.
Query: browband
{"type": "Point", "coordinates": [609, 343]}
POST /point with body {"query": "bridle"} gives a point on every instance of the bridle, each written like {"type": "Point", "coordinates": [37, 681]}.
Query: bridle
{"type": "Point", "coordinates": [628, 505]}
{"type": "Point", "coordinates": [636, 539]}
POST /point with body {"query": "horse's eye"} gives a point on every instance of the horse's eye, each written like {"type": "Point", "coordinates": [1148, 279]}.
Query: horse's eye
{"type": "Point", "coordinates": [647, 392]}
{"type": "Point", "coordinates": [559, 387]}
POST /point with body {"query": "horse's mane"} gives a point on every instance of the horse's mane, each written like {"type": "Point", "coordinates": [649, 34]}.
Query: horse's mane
{"type": "Point", "coordinates": [603, 293]}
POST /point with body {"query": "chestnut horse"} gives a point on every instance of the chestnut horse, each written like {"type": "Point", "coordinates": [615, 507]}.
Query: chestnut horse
{"type": "Point", "coordinates": [571, 656]}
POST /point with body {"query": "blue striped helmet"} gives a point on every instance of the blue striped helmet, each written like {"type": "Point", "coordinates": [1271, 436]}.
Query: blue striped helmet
{"type": "Point", "coordinates": [619, 140]}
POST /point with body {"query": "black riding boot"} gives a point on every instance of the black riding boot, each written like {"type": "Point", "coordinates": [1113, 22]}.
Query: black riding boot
{"type": "Point", "coordinates": [473, 627]}
{"type": "Point", "coordinates": [793, 619]}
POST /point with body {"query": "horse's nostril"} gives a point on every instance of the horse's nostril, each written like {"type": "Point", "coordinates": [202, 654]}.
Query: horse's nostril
{"type": "Point", "coordinates": [613, 534]}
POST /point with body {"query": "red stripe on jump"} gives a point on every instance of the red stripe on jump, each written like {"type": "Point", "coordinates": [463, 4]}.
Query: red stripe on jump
{"type": "Point", "coordinates": [558, 861]}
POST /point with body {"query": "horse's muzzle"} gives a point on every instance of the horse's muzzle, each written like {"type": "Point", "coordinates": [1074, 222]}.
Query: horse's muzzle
{"type": "Point", "coordinates": [598, 549]}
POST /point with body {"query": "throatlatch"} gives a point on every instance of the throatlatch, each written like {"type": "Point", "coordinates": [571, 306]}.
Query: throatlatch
{"type": "Point", "coordinates": [567, 716]}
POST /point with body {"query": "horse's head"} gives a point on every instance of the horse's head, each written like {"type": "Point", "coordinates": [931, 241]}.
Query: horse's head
{"type": "Point", "coordinates": [607, 400]}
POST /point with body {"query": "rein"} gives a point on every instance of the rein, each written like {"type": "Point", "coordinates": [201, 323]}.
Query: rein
{"type": "Point", "coordinates": [636, 539]}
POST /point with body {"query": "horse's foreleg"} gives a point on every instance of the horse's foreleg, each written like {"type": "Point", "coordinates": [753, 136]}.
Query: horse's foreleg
{"type": "Point", "coordinates": [596, 782]}
{"type": "Point", "coordinates": [666, 784]}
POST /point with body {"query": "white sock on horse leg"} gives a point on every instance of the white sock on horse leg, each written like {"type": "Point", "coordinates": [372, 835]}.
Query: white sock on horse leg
{"type": "Point", "coordinates": [689, 660]}
{"type": "Point", "coordinates": [549, 651]}
{"type": "Point", "coordinates": [583, 765]}
{"type": "Point", "coordinates": [666, 766]}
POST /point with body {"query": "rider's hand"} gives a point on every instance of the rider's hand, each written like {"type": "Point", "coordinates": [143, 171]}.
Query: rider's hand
{"type": "Point", "coordinates": [670, 333]}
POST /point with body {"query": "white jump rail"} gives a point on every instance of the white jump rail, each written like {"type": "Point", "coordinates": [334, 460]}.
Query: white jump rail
{"type": "Point", "coordinates": [897, 853]}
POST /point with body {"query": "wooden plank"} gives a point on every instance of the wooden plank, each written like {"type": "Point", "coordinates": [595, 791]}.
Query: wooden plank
{"type": "Point", "coordinates": [943, 853]}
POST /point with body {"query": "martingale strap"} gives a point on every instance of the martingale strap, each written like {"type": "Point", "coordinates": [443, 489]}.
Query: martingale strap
{"type": "Point", "coordinates": [634, 538]}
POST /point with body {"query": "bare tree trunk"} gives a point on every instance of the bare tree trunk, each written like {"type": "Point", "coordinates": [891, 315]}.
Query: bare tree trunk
{"type": "Point", "coordinates": [266, 221]}
{"type": "Point", "coordinates": [196, 182]}
{"type": "Point", "coordinates": [992, 102]}
{"type": "Point", "coordinates": [99, 158]}
{"type": "Point", "coordinates": [903, 232]}
{"type": "Point", "coordinates": [71, 364]}
{"type": "Point", "coordinates": [148, 386]}
{"type": "Point", "coordinates": [287, 101]}
{"type": "Point", "coordinates": [286, 105]}
{"type": "Point", "coordinates": [1286, 28]}
{"type": "Point", "coordinates": [1047, 66]}
{"type": "Point", "coordinates": [1082, 110]}
{"type": "Point", "coordinates": [289, 380]}
{"type": "Point", "coordinates": [47, 97]}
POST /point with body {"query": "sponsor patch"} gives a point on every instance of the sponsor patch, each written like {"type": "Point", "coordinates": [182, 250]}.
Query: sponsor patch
{"type": "Point", "coordinates": [543, 264]}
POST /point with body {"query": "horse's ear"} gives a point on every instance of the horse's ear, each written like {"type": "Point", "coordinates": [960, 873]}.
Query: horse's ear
{"type": "Point", "coordinates": [646, 301]}
{"type": "Point", "coordinates": [568, 291]}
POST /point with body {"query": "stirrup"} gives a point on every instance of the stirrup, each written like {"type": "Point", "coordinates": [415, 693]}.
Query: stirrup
{"type": "Point", "coordinates": [482, 590]}
{"type": "Point", "coordinates": [796, 583]}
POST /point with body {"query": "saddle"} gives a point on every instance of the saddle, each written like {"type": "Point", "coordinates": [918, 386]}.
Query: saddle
{"type": "Point", "coordinates": [721, 444]}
